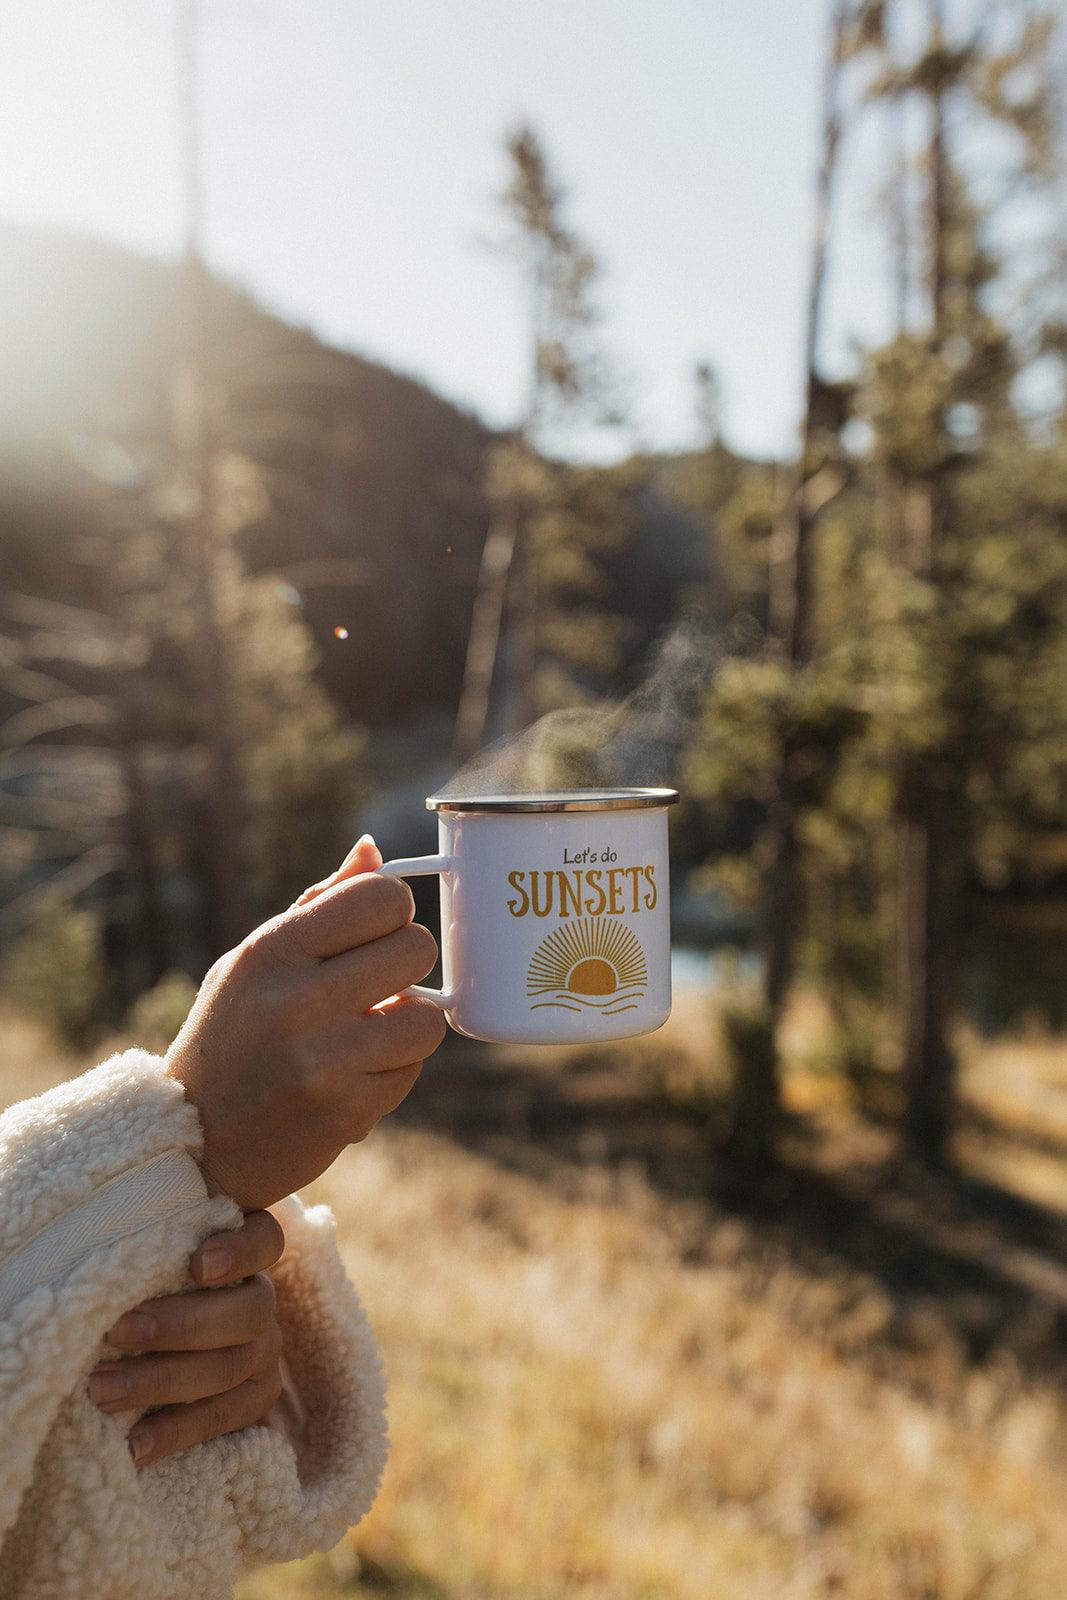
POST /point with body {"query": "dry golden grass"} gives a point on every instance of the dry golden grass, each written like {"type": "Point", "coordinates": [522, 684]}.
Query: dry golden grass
{"type": "Point", "coordinates": [578, 1411]}
{"type": "Point", "coordinates": [32, 1060]}
{"type": "Point", "coordinates": [600, 1392]}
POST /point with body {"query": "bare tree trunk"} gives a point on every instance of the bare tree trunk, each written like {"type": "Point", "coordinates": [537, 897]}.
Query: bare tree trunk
{"type": "Point", "coordinates": [483, 641]}
{"type": "Point", "coordinates": [523, 607]}
{"type": "Point", "coordinates": [497, 605]}
{"type": "Point", "coordinates": [900, 220]}
{"type": "Point", "coordinates": [224, 811]}
{"type": "Point", "coordinates": [893, 491]}
{"type": "Point", "coordinates": [900, 505]}
{"type": "Point", "coordinates": [758, 1102]}
{"type": "Point", "coordinates": [931, 878]}
{"type": "Point", "coordinates": [503, 620]}
{"type": "Point", "coordinates": [931, 851]}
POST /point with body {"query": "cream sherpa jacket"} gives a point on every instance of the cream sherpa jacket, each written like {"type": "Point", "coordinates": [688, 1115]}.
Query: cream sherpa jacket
{"type": "Point", "coordinates": [101, 1205]}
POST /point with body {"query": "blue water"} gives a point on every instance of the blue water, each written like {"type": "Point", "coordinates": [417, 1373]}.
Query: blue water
{"type": "Point", "coordinates": [709, 969]}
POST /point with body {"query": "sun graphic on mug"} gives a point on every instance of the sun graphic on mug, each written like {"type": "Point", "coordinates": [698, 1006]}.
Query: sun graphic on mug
{"type": "Point", "coordinates": [596, 964]}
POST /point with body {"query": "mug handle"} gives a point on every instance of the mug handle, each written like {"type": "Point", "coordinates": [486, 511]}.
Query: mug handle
{"type": "Point", "coordinates": [421, 867]}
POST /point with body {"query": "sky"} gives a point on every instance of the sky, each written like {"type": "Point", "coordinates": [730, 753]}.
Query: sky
{"type": "Point", "coordinates": [352, 152]}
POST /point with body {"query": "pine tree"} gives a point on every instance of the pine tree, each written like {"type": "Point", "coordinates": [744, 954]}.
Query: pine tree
{"type": "Point", "coordinates": [87, 693]}
{"type": "Point", "coordinates": [931, 703]}
{"type": "Point", "coordinates": [958, 370]}
{"type": "Point", "coordinates": [566, 376]}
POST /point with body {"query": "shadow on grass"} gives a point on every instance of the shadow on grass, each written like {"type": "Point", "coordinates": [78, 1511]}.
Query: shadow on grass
{"type": "Point", "coordinates": [391, 1584]}
{"type": "Point", "coordinates": [1040, 1141]}
{"type": "Point", "coordinates": [340, 1574]}
{"type": "Point", "coordinates": [962, 1257]}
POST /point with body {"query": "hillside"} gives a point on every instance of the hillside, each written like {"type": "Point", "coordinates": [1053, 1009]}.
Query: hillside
{"type": "Point", "coordinates": [359, 462]}
{"type": "Point", "coordinates": [370, 484]}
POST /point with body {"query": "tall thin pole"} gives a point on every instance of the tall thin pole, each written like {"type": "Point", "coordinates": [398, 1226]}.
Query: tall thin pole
{"type": "Point", "coordinates": [189, 96]}
{"type": "Point", "coordinates": [223, 808]}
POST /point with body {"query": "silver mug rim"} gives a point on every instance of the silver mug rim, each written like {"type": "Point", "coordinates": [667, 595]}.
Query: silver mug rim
{"type": "Point", "coordinates": [555, 800]}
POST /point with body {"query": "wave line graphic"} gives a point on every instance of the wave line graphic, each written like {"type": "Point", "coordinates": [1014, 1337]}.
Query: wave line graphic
{"type": "Point", "coordinates": [592, 999]}
{"type": "Point", "coordinates": [608, 1005]}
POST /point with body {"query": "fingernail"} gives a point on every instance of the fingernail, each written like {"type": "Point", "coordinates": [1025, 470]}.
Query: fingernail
{"type": "Point", "coordinates": [108, 1384]}
{"type": "Point", "coordinates": [140, 1443]}
{"type": "Point", "coordinates": [364, 839]}
{"type": "Point", "coordinates": [215, 1263]}
{"type": "Point", "coordinates": [135, 1328]}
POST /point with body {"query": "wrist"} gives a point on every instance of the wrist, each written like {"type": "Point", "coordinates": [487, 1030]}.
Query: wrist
{"type": "Point", "coordinates": [212, 1169]}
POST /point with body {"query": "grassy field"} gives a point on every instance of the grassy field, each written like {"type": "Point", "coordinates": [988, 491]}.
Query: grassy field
{"type": "Point", "coordinates": [611, 1380]}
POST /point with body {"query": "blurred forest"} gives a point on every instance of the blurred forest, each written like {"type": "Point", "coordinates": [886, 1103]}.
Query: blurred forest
{"type": "Point", "coordinates": [345, 512]}
{"type": "Point", "coordinates": [252, 583]}
{"type": "Point", "coordinates": [257, 593]}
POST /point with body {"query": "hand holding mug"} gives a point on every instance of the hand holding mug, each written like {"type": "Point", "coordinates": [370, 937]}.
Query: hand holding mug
{"type": "Point", "coordinates": [300, 1041]}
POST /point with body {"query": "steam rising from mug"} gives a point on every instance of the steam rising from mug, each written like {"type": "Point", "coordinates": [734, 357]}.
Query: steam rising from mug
{"type": "Point", "coordinates": [639, 740]}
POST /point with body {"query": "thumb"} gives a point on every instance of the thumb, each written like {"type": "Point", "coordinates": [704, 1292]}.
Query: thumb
{"type": "Point", "coordinates": [364, 856]}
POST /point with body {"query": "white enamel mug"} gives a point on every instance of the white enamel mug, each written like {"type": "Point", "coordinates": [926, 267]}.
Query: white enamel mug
{"type": "Point", "coordinates": [555, 914]}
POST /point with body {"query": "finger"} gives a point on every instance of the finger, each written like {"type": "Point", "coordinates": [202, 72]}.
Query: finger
{"type": "Point", "coordinates": [348, 984]}
{"type": "Point", "coordinates": [348, 915]}
{"type": "Point", "coordinates": [385, 1092]}
{"type": "Point", "coordinates": [179, 1427]}
{"type": "Point", "coordinates": [198, 1321]}
{"type": "Point", "coordinates": [364, 856]}
{"type": "Point", "coordinates": [144, 1382]}
{"type": "Point", "coordinates": [379, 1095]}
{"type": "Point", "coordinates": [402, 1030]}
{"type": "Point", "coordinates": [227, 1257]}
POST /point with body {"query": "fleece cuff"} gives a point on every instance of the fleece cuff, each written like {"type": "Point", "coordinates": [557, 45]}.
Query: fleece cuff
{"type": "Point", "coordinates": [101, 1204]}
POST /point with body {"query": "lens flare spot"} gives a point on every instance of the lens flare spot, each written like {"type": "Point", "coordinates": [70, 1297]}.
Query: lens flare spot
{"type": "Point", "coordinates": [340, 633]}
